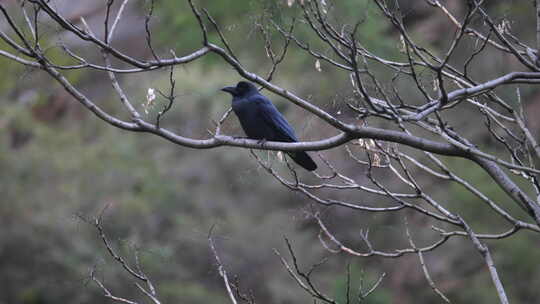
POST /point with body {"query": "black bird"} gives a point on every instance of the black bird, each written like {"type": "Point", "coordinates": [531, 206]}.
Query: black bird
{"type": "Point", "coordinates": [261, 120]}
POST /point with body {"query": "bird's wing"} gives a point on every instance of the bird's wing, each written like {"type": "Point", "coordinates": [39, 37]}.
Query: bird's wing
{"type": "Point", "coordinates": [274, 119]}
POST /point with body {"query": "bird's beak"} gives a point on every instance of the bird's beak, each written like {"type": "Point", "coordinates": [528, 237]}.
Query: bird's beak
{"type": "Point", "coordinates": [230, 90]}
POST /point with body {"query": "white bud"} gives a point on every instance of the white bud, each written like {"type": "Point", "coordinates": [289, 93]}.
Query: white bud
{"type": "Point", "coordinates": [150, 95]}
{"type": "Point", "coordinates": [402, 46]}
{"type": "Point", "coordinates": [280, 156]}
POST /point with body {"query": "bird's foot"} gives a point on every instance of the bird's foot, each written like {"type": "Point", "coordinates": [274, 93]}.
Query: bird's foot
{"type": "Point", "coordinates": [262, 142]}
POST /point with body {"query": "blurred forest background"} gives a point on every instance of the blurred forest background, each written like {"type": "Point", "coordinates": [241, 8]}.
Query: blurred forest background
{"type": "Point", "coordinates": [59, 165]}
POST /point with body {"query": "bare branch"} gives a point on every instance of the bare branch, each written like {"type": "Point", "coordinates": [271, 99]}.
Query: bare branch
{"type": "Point", "coordinates": [484, 251]}
{"type": "Point", "coordinates": [424, 267]}
{"type": "Point", "coordinates": [221, 269]}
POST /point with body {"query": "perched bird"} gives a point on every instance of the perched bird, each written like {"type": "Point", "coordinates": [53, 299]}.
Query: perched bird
{"type": "Point", "coordinates": [261, 120]}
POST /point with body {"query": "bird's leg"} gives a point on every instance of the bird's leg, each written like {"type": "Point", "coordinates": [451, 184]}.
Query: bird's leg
{"type": "Point", "coordinates": [262, 142]}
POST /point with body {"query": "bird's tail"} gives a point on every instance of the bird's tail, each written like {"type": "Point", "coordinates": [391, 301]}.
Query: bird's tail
{"type": "Point", "coordinates": [304, 160]}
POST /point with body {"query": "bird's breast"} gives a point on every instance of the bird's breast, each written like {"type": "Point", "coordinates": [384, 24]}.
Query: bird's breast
{"type": "Point", "coordinates": [243, 108]}
{"type": "Point", "coordinates": [249, 118]}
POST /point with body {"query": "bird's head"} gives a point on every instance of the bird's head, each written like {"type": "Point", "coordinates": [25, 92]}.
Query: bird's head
{"type": "Point", "coordinates": [243, 88]}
